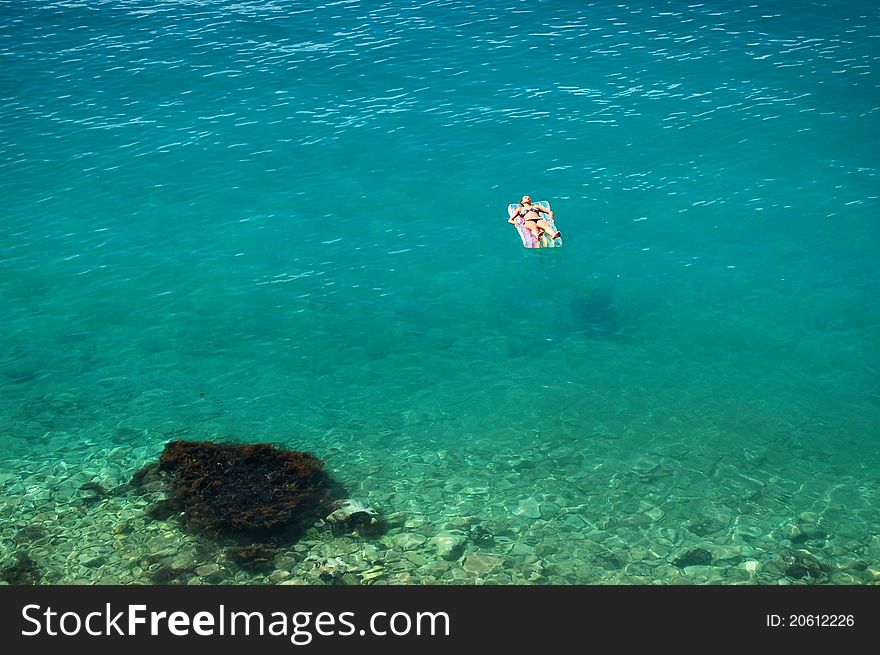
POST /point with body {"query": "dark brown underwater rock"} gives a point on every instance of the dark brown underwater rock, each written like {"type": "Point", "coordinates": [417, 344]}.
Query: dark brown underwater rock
{"type": "Point", "coordinates": [250, 490]}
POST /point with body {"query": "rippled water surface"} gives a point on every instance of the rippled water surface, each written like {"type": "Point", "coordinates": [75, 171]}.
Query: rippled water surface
{"type": "Point", "coordinates": [285, 221]}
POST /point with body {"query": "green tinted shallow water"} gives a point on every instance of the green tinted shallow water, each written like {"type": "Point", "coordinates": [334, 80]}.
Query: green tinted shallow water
{"type": "Point", "coordinates": [283, 221]}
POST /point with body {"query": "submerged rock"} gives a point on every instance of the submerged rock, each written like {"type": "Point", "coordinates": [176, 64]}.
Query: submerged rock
{"type": "Point", "coordinates": [693, 557]}
{"type": "Point", "coordinates": [92, 491]}
{"type": "Point", "coordinates": [480, 564]}
{"type": "Point", "coordinates": [705, 525]}
{"type": "Point", "coordinates": [450, 544]}
{"type": "Point", "coordinates": [147, 479]}
{"type": "Point", "coordinates": [803, 566]}
{"type": "Point", "coordinates": [528, 508]}
{"type": "Point", "coordinates": [351, 515]}
{"type": "Point", "coordinates": [162, 510]}
{"type": "Point", "coordinates": [751, 566]}
{"type": "Point", "coordinates": [255, 489]}
{"type": "Point", "coordinates": [92, 560]}
{"type": "Point", "coordinates": [208, 570]}
{"type": "Point", "coordinates": [801, 533]}
{"type": "Point", "coordinates": [408, 540]}
{"type": "Point", "coordinates": [169, 574]}
{"type": "Point", "coordinates": [21, 571]}
{"type": "Point", "coordinates": [482, 536]}
{"type": "Point", "coordinates": [373, 573]}
{"type": "Point", "coordinates": [29, 534]}
{"type": "Point", "coordinates": [255, 557]}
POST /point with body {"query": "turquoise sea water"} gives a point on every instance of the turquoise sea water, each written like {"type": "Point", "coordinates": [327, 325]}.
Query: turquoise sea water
{"type": "Point", "coordinates": [285, 221]}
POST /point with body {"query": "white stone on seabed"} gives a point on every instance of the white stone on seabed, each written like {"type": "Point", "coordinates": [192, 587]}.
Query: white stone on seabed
{"type": "Point", "coordinates": [659, 551]}
{"type": "Point", "coordinates": [751, 566]}
{"type": "Point", "coordinates": [349, 510]}
{"type": "Point", "coordinates": [408, 540]}
{"type": "Point", "coordinates": [369, 552]}
{"type": "Point", "coordinates": [529, 508]}
{"type": "Point", "coordinates": [414, 522]}
{"type": "Point", "coordinates": [480, 564]}
{"type": "Point", "coordinates": [450, 544]}
{"type": "Point", "coordinates": [655, 513]}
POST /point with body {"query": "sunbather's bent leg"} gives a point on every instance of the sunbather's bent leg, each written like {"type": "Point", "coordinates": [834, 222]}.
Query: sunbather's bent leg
{"type": "Point", "coordinates": [544, 225]}
{"type": "Point", "coordinates": [534, 229]}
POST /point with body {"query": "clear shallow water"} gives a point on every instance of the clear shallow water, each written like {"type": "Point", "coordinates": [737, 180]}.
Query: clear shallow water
{"type": "Point", "coordinates": [285, 221]}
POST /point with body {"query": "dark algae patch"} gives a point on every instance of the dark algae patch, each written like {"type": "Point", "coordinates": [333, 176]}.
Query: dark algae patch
{"type": "Point", "coordinates": [250, 490]}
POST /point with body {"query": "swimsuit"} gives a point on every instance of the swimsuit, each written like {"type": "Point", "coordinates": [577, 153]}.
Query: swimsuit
{"type": "Point", "coordinates": [524, 211]}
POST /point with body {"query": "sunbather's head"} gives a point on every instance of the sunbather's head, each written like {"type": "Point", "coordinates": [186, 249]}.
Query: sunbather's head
{"type": "Point", "coordinates": [526, 199]}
